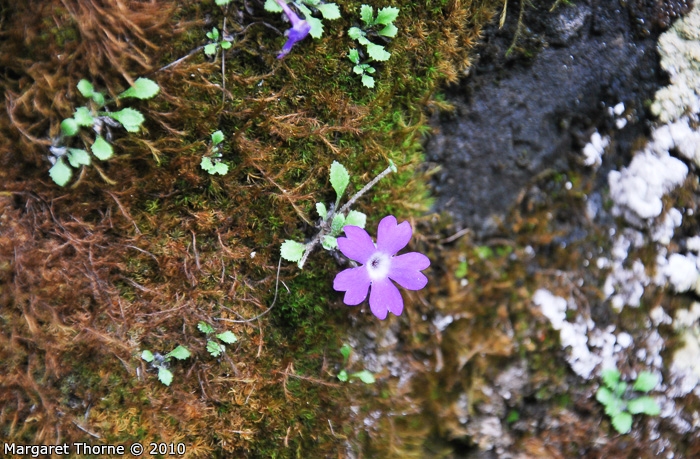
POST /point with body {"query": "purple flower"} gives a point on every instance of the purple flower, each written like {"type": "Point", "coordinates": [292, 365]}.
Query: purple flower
{"type": "Point", "coordinates": [300, 29]}
{"type": "Point", "coordinates": [380, 267]}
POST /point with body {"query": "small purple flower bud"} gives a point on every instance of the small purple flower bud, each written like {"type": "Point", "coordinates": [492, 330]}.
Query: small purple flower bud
{"type": "Point", "coordinates": [300, 29]}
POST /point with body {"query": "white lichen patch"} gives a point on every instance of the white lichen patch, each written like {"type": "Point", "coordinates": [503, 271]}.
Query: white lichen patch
{"type": "Point", "coordinates": [593, 151]}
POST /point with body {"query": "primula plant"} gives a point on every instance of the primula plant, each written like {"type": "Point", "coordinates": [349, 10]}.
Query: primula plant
{"type": "Point", "coordinates": [617, 400]}
{"type": "Point", "coordinates": [161, 362]}
{"type": "Point", "coordinates": [310, 25]}
{"type": "Point", "coordinates": [333, 219]}
{"type": "Point", "coordinates": [365, 376]}
{"type": "Point", "coordinates": [376, 27]}
{"type": "Point", "coordinates": [215, 348]}
{"type": "Point", "coordinates": [212, 162]}
{"type": "Point", "coordinates": [216, 41]}
{"type": "Point", "coordinates": [94, 115]}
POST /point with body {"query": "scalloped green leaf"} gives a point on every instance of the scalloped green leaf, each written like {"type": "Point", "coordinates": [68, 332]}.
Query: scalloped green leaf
{"type": "Point", "coordinates": [368, 81]}
{"type": "Point", "coordinates": [85, 88]}
{"type": "Point", "coordinates": [337, 224]}
{"type": "Point", "coordinates": [60, 172]}
{"type": "Point", "coordinates": [147, 356]}
{"type": "Point", "coordinates": [339, 178]}
{"type": "Point", "coordinates": [355, 33]}
{"type": "Point", "coordinates": [329, 11]}
{"type": "Point", "coordinates": [69, 127]}
{"type": "Point", "coordinates": [329, 242]}
{"type": "Point", "coordinates": [377, 52]}
{"type": "Point", "coordinates": [227, 337]}
{"type": "Point", "coordinates": [83, 117]}
{"type": "Point", "coordinates": [205, 327]}
{"type": "Point", "coordinates": [102, 149]}
{"type": "Point", "coordinates": [316, 26]}
{"type": "Point", "coordinates": [165, 376]}
{"type": "Point", "coordinates": [214, 348]}
{"type": "Point", "coordinates": [386, 15]}
{"type": "Point", "coordinates": [389, 30]}
{"type": "Point", "coordinates": [645, 382]}
{"type": "Point", "coordinates": [180, 353]}
{"type": "Point", "coordinates": [354, 56]}
{"type": "Point", "coordinates": [143, 88]}
{"type": "Point", "coordinates": [222, 2]}
{"type": "Point", "coordinates": [367, 15]}
{"type": "Point", "coordinates": [217, 137]}
{"type": "Point", "coordinates": [356, 218]}
{"type": "Point", "coordinates": [225, 44]}
{"type": "Point", "coordinates": [610, 377]}
{"type": "Point", "coordinates": [292, 250]}
{"type": "Point", "coordinates": [210, 49]}
{"type": "Point", "coordinates": [321, 209]}
{"type": "Point", "coordinates": [622, 422]}
{"type": "Point", "coordinates": [98, 98]}
{"type": "Point", "coordinates": [645, 404]}
{"type": "Point", "coordinates": [364, 376]}
{"type": "Point", "coordinates": [129, 118]}
{"type": "Point", "coordinates": [77, 157]}
{"type": "Point", "coordinates": [343, 376]}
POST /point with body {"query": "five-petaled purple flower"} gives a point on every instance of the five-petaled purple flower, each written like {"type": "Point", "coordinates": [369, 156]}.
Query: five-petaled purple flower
{"type": "Point", "coordinates": [380, 267]}
{"type": "Point", "coordinates": [300, 29]}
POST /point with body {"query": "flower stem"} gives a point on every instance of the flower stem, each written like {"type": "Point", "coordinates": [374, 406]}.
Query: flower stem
{"type": "Point", "coordinates": [366, 188]}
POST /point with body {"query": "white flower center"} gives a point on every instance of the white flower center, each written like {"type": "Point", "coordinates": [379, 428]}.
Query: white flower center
{"type": "Point", "coordinates": [378, 266]}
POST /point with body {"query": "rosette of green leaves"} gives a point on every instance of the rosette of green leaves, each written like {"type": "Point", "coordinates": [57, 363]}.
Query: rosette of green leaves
{"type": "Point", "coordinates": [213, 164]}
{"type": "Point", "coordinates": [611, 396]}
{"type": "Point", "coordinates": [161, 362]}
{"type": "Point", "coordinates": [213, 35]}
{"type": "Point", "coordinates": [329, 11]}
{"type": "Point", "coordinates": [363, 69]}
{"type": "Point", "coordinates": [214, 347]}
{"type": "Point", "coordinates": [93, 117]}
{"type": "Point", "coordinates": [382, 25]}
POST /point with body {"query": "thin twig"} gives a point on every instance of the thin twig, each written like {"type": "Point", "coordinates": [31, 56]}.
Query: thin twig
{"type": "Point", "coordinates": [366, 188]}
{"type": "Point", "coordinates": [174, 63]}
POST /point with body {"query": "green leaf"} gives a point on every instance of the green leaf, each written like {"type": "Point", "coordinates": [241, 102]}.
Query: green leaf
{"type": "Point", "coordinates": [165, 376]}
{"type": "Point", "coordinates": [368, 81]}
{"type": "Point", "coordinates": [316, 26]}
{"type": "Point", "coordinates": [339, 179]}
{"type": "Point", "coordinates": [337, 224]}
{"type": "Point", "coordinates": [610, 376]}
{"type": "Point", "coordinates": [83, 117]}
{"type": "Point", "coordinates": [377, 52]}
{"type": "Point", "coordinates": [205, 327]}
{"type": "Point", "coordinates": [85, 88]}
{"type": "Point", "coordinates": [210, 49]}
{"type": "Point", "coordinates": [343, 375]}
{"type": "Point", "coordinates": [69, 127]}
{"type": "Point", "coordinates": [622, 422]}
{"type": "Point", "coordinates": [227, 337]}
{"type": "Point", "coordinates": [645, 404]}
{"type": "Point", "coordinates": [345, 350]}
{"type": "Point", "coordinates": [129, 118]}
{"type": "Point", "coordinates": [206, 164]}
{"type": "Point", "coordinates": [359, 69]}
{"type": "Point", "coordinates": [354, 56]}
{"type": "Point", "coordinates": [292, 250]}
{"type": "Point", "coordinates": [102, 149]}
{"type": "Point", "coordinates": [389, 30]}
{"type": "Point", "coordinates": [272, 6]}
{"type": "Point", "coordinates": [363, 40]}
{"type": "Point", "coordinates": [147, 356]}
{"type": "Point", "coordinates": [356, 218]}
{"type": "Point", "coordinates": [219, 168]}
{"type": "Point", "coordinates": [143, 88]}
{"type": "Point", "coordinates": [367, 15]}
{"type": "Point", "coordinates": [222, 2]}
{"type": "Point", "coordinates": [604, 396]}
{"type": "Point", "coordinates": [355, 33]}
{"type": "Point", "coordinates": [217, 137]}
{"type": "Point", "coordinates": [214, 348]}
{"type": "Point", "coordinates": [78, 157]}
{"type": "Point", "coordinates": [214, 34]}
{"type": "Point", "coordinates": [329, 11]}
{"type": "Point", "coordinates": [645, 382]}
{"type": "Point", "coordinates": [462, 270]}
{"type": "Point", "coordinates": [60, 172]}
{"type": "Point", "coordinates": [329, 242]}
{"type": "Point", "coordinates": [321, 209]}
{"type": "Point", "coordinates": [225, 44]}
{"type": "Point", "coordinates": [386, 15]}
{"type": "Point", "coordinates": [365, 376]}
{"type": "Point", "coordinates": [180, 353]}
{"type": "Point", "coordinates": [98, 98]}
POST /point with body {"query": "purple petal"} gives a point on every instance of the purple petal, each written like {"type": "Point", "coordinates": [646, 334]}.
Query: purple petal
{"type": "Point", "coordinates": [354, 282]}
{"type": "Point", "coordinates": [384, 297]}
{"type": "Point", "coordinates": [392, 237]}
{"type": "Point", "coordinates": [405, 270]}
{"type": "Point", "coordinates": [357, 245]}
{"type": "Point", "coordinates": [295, 34]}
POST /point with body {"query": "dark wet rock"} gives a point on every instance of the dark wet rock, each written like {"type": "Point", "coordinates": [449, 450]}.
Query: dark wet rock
{"type": "Point", "coordinates": [518, 116]}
